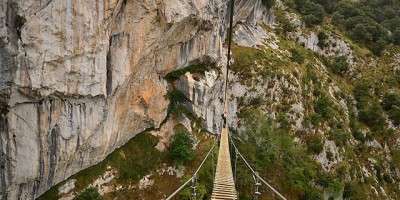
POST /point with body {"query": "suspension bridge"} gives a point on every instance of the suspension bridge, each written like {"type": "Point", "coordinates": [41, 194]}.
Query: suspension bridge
{"type": "Point", "coordinates": [224, 179]}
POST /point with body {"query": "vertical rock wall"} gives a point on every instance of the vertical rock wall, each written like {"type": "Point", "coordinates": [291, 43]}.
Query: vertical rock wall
{"type": "Point", "coordinates": [78, 79]}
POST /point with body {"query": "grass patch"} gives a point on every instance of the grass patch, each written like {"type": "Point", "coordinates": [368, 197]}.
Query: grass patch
{"type": "Point", "coordinates": [137, 159]}
{"type": "Point", "coordinates": [192, 69]}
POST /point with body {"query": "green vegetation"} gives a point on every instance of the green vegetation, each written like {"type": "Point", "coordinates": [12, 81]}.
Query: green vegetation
{"type": "Point", "coordinates": [314, 144]}
{"type": "Point", "coordinates": [192, 69]}
{"type": "Point", "coordinates": [366, 22]}
{"type": "Point", "coordinates": [338, 65]}
{"type": "Point", "coordinates": [296, 56]}
{"type": "Point", "coordinates": [245, 59]}
{"type": "Point", "coordinates": [370, 112]}
{"type": "Point", "coordinates": [268, 3]}
{"type": "Point", "coordinates": [323, 106]}
{"type": "Point", "coordinates": [313, 13]}
{"type": "Point", "coordinates": [275, 157]}
{"type": "Point", "coordinates": [391, 104]}
{"type": "Point", "coordinates": [89, 194]}
{"type": "Point", "coordinates": [181, 150]}
{"type": "Point", "coordinates": [322, 37]}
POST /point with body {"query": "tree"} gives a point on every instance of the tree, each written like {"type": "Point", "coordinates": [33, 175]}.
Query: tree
{"type": "Point", "coordinates": [360, 34]}
{"type": "Point", "coordinates": [181, 147]}
{"type": "Point", "coordinates": [396, 37]}
{"type": "Point", "coordinates": [313, 13]}
{"type": "Point", "coordinates": [338, 19]}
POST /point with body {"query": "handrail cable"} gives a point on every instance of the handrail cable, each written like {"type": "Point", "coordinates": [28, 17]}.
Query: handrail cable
{"type": "Point", "coordinates": [195, 174]}
{"type": "Point", "coordinates": [254, 172]}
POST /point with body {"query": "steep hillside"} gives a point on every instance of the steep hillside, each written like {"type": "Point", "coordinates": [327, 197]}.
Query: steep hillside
{"type": "Point", "coordinates": [313, 97]}
{"type": "Point", "coordinates": [78, 79]}
{"type": "Point", "coordinates": [316, 112]}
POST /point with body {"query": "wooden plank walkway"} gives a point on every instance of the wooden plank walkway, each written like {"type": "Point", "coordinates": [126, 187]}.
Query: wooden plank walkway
{"type": "Point", "coordinates": [224, 185]}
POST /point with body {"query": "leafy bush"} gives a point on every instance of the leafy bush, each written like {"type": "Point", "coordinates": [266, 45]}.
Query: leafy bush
{"type": "Point", "coordinates": [322, 37]}
{"type": "Point", "coordinates": [389, 100]}
{"type": "Point", "coordinates": [181, 150]}
{"type": "Point", "coordinates": [89, 194]}
{"type": "Point", "coordinates": [349, 190]}
{"type": "Point", "coordinates": [363, 94]}
{"type": "Point", "coordinates": [339, 65]}
{"type": "Point", "coordinates": [391, 103]}
{"type": "Point", "coordinates": [340, 137]}
{"type": "Point", "coordinates": [313, 13]}
{"type": "Point", "coordinates": [268, 3]}
{"type": "Point", "coordinates": [286, 26]}
{"type": "Point", "coordinates": [373, 117]}
{"type": "Point", "coordinates": [335, 188]}
{"type": "Point", "coordinates": [323, 106]}
{"type": "Point", "coordinates": [314, 144]}
{"type": "Point", "coordinates": [296, 56]}
{"type": "Point", "coordinates": [396, 37]}
{"type": "Point", "coordinates": [397, 76]}
{"type": "Point", "coordinates": [394, 114]}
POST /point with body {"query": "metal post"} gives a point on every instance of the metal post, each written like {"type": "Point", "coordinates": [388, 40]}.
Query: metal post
{"type": "Point", "coordinates": [213, 170]}
{"type": "Point", "coordinates": [256, 184]}
{"type": "Point", "coordinates": [193, 186]}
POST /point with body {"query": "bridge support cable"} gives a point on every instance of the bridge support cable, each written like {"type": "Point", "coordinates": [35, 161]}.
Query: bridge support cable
{"type": "Point", "coordinates": [232, 10]}
{"type": "Point", "coordinates": [256, 176]}
{"type": "Point", "coordinates": [193, 179]}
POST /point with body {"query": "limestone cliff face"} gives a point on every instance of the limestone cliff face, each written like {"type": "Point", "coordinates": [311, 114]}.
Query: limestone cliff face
{"type": "Point", "coordinates": [78, 79]}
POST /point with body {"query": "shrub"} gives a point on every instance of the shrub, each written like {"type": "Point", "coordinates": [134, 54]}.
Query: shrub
{"type": "Point", "coordinates": [389, 100]}
{"type": "Point", "coordinates": [373, 117]}
{"type": "Point", "coordinates": [181, 147]}
{"type": "Point", "coordinates": [256, 101]}
{"type": "Point", "coordinates": [268, 3]}
{"type": "Point", "coordinates": [397, 76]}
{"type": "Point", "coordinates": [313, 13]}
{"type": "Point", "coordinates": [396, 37]}
{"type": "Point", "coordinates": [314, 144]}
{"type": "Point", "coordinates": [339, 137]}
{"type": "Point", "coordinates": [89, 194]}
{"type": "Point", "coordinates": [296, 56]}
{"type": "Point", "coordinates": [322, 37]}
{"type": "Point", "coordinates": [323, 107]}
{"type": "Point", "coordinates": [394, 114]}
{"type": "Point", "coordinates": [286, 26]}
{"type": "Point", "coordinates": [335, 188]}
{"type": "Point", "coordinates": [363, 94]}
{"type": "Point", "coordinates": [339, 65]}
{"type": "Point", "coordinates": [378, 47]}
{"type": "Point", "coordinates": [349, 190]}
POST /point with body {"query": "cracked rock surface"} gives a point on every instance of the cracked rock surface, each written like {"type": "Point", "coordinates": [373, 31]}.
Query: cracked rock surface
{"type": "Point", "coordinates": [78, 79]}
